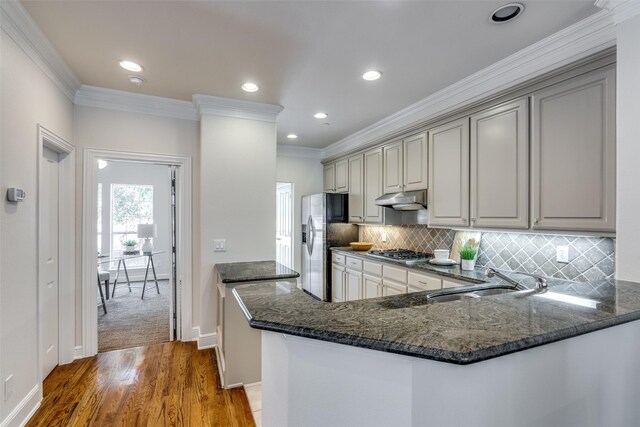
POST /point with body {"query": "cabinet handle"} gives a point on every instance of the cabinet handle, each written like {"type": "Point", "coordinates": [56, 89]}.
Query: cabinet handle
{"type": "Point", "coordinates": [473, 220]}
{"type": "Point", "coordinates": [535, 221]}
{"type": "Point", "coordinates": [464, 220]}
{"type": "Point", "coordinates": [420, 281]}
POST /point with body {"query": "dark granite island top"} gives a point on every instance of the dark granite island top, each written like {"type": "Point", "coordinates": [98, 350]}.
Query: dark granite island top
{"type": "Point", "coordinates": [459, 332]}
{"type": "Point", "coordinates": [236, 272]}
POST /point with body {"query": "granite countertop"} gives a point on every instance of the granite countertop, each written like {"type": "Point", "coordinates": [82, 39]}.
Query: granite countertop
{"type": "Point", "coordinates": [461, 332]}
{"type": "Point", "coordinates": [235, 272]}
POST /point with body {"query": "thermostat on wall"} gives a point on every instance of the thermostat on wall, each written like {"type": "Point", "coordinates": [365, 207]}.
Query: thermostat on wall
{"type": "Point", "coordinates": [15, 194]}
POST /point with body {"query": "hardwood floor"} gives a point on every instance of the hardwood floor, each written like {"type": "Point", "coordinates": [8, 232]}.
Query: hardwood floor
{"type": "Point", "coordinates": [169, 384]}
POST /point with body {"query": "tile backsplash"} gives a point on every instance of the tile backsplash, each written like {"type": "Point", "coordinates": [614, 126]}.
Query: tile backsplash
{"type": "Point", "coordinates": [590, 258]}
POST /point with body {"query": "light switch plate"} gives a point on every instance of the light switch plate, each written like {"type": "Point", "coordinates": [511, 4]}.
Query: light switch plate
{"type": "Point", "coordinates": [562, 254]}
{"type": "Point", "coordinates": [219, 245]}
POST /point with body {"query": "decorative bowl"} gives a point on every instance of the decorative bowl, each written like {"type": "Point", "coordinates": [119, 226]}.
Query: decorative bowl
{"type": "Point", "coordinates": [361, 246]}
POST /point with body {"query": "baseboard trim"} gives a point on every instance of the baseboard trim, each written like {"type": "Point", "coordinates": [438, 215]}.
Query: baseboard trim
{"type": "Point", "coordinates": [204, 340]}
{"type": "Point", "coordinates": [78, 352]}
{"type": "Point", "coordinates": [25, 409]}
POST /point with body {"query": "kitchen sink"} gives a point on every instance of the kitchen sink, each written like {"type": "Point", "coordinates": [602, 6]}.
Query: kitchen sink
{"type": "Point", "coordinates": [464, 293]}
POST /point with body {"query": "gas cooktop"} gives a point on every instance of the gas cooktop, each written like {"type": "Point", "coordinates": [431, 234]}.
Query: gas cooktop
{"type": "Point", "coordinates": [403, 255]}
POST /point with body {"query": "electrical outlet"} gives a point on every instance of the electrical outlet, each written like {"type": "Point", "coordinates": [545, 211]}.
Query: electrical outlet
{"type": "Point", "coordinates": [562, 254]}
{"type": "Point", "coordinates": [8, 387]}
{"type": "Point", "coordinates": [383, 236]}
{"type": "Point", "coordinates": [219, 245]}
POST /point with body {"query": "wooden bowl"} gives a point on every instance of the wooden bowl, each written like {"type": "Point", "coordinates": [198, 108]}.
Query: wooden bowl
{"type": "Point", "coordinates": [361, 246]}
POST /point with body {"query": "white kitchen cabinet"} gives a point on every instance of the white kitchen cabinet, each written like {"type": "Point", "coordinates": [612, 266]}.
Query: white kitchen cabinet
{"type": "Point", "coordinates": [372, 268]}
{"type": "Point", "coordinates": [337, 283]}
{"type": "Point", "coordinates": [390, 287]}
{"type": "Point", "coordinates": [500, 166]}
{"type": "Point", "coordinates": [573, 154]}
{"type": "Point", "coordinates": [395, 274]}
{"type": "Point", "coordinates": [423, 281]}
{"type": "Point", "coordinates": [415, 162]}
{"type": "Point", "coordinates": [373, 214]}
{"type": "Point", "coordinates": [356, 189]}
{"type": "Point", "coordinates": [353, 285]}
{"type": "Point", "coordinates": [371, 286]}
{"type": "Point", "coordinates": [329, 185]}
{"type": "Point", "coordinates": [449, 174]}
{"type": "Point", "coordinates": [393, 167]}
{"type": "Point", "coordinates": [341, 170]}
{"type": "Point", "coordinates": [452, 283]}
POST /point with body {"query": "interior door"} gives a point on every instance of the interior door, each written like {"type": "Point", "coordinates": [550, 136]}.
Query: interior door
{"type": "Point", "coordinates": [284, 226]}
{"type": "Point", "coordinates": [49, 243]}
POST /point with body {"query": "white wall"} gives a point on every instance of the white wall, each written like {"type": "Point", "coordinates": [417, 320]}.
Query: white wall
{"type": "Point", "coordinates": [139, 174]}
{"type": "Point", "coordinates": [628, 154]}
{"type": "Point", "coordinates": [28, 98]}
{"type": "Point", "coordinates": [133, 132]}
{"type": "Point", "coordinates": [306, 175]}
{"type": "Point", "coordinates": [238, 182]}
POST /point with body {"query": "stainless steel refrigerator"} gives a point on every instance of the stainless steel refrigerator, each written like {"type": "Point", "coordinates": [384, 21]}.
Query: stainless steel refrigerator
{"type": "Point", "coordinates": [325, 224]}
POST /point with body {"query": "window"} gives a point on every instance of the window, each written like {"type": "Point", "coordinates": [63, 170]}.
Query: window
{"type": "Point", "coordinates": [130, 205]}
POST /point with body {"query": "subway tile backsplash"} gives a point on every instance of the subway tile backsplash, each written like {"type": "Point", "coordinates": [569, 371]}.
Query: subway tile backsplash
{"type": "Point", "coordinates": [590, 258]}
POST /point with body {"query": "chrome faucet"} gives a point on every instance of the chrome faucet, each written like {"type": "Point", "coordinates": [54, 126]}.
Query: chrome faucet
{"type": "Point", "coordinates": [541, 282]}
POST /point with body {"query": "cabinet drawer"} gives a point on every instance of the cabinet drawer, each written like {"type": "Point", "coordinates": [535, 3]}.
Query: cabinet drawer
{"type": "Point", "coordinates": [354, 263]}
{"type": "Point", "coordinates": [423, 281]}
{"type": "Point", "coordinates": [453, 283]}
{"type": "Point", "coordinates": [394, 273]}
{"type": "Point", "coordinates": [372, 268]}
{"type": "Point", "coordinates": [339, 259]}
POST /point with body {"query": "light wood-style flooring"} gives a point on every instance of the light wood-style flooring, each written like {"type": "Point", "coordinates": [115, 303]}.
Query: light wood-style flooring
{"type": "Point", "coordinates": [169, 384]}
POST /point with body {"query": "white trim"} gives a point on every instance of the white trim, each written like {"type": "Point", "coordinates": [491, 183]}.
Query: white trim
{"type": "Point", "coordinates": [301, 152]}
{"type": "Point", "coordinates": [184, 243]}
{"type": "Point", "coordinates": [78, 352]}
{"type": "Point", "coordinates": [591, 35]}
{"type": "Point", "coordinates": [19, 416]}
{"type": "Point", "coordinates": [621, 9]}
{"type": "Point", "coordinates": [93, 96]}
{"type": "Point", "coordinates": [204, 340]}
{"type": "Point", "coordinates": [227, 107]}
{"type": "Point", "coordinates": [67, 243]}
{"type": "Point", "coordinates": [18, 24]}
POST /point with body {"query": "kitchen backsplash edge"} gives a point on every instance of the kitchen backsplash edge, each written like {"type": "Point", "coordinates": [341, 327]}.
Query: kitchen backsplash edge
{"type": "Point", "coordinates": [590, 258]}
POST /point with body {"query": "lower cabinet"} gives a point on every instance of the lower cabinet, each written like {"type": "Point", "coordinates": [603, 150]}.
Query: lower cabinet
{"type": "Point", "coordinates": [393, 288]}
{"type": "Point", "coordinates": [353, 285]}
{"type": "Point", "coordinates": [371, 286]}
{"type": "Point", "coordinates": [337, 283]}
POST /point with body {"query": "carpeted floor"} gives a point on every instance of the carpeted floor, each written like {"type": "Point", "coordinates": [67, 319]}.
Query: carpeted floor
{"type": "Point", "coordinates": [132, 322]}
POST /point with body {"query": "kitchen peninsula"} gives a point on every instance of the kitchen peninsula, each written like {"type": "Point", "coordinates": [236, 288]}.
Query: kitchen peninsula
{"type": "Point", "coordinates": [566, 356]}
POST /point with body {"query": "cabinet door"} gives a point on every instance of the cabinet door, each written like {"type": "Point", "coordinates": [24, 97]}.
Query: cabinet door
{"type": "Point", "coordinates": [573, 154]}
{"type": "Point", "coordinates": [353, 285]}
{"type": "Point", "coordinates": [393, 174]}
{"type": "Point", "coordinates": [416, 163]}
{"type": "Point", "coordinates": [342, 176]}
{"type": "Point", "coordinates": [371, 286]}
{"type": "Point", "coordinates": [337, 283]}
{"type": "Point", "coordinates": [500, 166]}
{"type": "Point", "coordinates": [424, 282]}
{"type": "Point", "coordinates": [373, 186]}
{"type": "Point", "coordinates": [329, 178]}
{"type": "Point", "coordinates": [356, 189]}
{"type": "Point", "coordinates": [449, 174]}
{"type": "Point", "coordinates": [390, 288]}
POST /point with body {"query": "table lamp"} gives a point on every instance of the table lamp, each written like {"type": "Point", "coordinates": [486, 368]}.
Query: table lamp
{"type": "Point", "coordinates": [147, 232]}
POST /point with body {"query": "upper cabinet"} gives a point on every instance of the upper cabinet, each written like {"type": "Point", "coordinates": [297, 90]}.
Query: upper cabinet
{"type": "Point", "coordinates": [393, 171]}
{"type": "Point", "coordinates": [415, 153]}
{"type": "Point", "coordinates": [500, 166]}
{"type": "Point", "coordinates": [573, 154]}
{"type": "Point", "coordinates": [449, 174]}
{"type": "Point", "coordinates": [373, 213]}
{"type": "Point", "coordinates": [356, 189]}
{"type": "Point", "coordinates": [336, 177]}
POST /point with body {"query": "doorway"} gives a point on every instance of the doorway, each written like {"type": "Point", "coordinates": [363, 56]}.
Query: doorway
{"type": "Point", "coordinates": [284, 223]}
{"type": "Point", "coordinates": [177, 171]}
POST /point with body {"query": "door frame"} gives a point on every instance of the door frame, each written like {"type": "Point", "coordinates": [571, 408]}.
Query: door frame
{"type": "Point", "coordinates": [89, 244]}
{"type": "Point", "coordinates": [66, 244]}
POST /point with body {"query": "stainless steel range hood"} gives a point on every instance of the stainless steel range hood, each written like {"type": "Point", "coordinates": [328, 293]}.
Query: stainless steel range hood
{"type": "Point", "coordinates": [405, 201]}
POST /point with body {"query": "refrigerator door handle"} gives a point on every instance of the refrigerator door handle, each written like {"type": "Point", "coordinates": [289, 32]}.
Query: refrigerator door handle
{"type": "Point", "coordinates": [312, 235]}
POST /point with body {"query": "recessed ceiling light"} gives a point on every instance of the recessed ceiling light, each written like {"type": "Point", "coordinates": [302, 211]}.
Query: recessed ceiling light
{"type": "Point", "coordinates": [372, 75]}
{"type": "Point", "coordinates": [136, 80]}
{"type": "Point", "coordinates": [320, 115]}
{"type": "Point", "coordinates": [507, 12]}
{"type": "Point", "coordinates": [250, 87]}
{"type": "Point", "coordinates": [130, 66]}
{"type": "Point", "coordinates": [292, 136]}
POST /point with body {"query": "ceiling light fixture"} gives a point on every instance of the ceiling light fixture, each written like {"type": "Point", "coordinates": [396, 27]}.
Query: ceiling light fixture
{"type": "Point", "coordinates": [130, 66]}
{"type": "Point", "coordinates": [320, 115]}
{"type": "Point", "coordinates": [372, 75]}
{"type": "Point", "coordinates": [136, 80]}
{"type": "Point", "coordinates": [507, 12]}
{"type": "Point", "coordinates": [250, 87]}
{"type": "Point", "coordinates": [292, 136]}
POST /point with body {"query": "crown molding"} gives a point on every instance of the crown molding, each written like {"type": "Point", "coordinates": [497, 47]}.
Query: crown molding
{"type": "Point", "coordinates": [112, 99]}
{"type": "Point", "coordinates": [300, 152]}
{"type": "Point", "coordinates": [22, 29]}
{"type": "Point", "coordinates": [591, 35]}
{"type": "Point", "coordinates": [620, 9]}
{"type": "Point", "coordinates": [227, 107]}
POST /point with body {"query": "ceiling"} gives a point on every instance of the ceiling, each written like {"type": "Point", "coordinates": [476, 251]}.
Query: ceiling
{"type": "Point", "coordinates": [307, 56]}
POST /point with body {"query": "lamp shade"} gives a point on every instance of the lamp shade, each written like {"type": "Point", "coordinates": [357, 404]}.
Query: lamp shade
{"type": "Point", "coordinates": [146, 231]}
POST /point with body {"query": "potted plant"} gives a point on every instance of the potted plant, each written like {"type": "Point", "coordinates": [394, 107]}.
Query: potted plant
{"type": "Point", "coordinates": [130, 246]}
{"type": "Point", "coordinates": [468, 256]}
